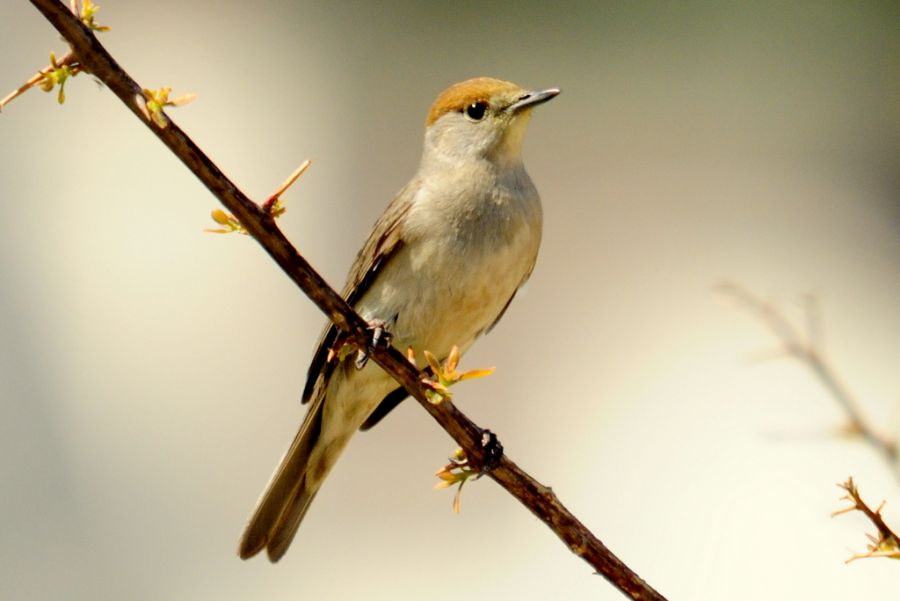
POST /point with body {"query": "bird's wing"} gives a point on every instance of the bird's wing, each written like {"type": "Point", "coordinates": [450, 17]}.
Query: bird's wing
{"type": "Point", "coordinates": [385, 240]}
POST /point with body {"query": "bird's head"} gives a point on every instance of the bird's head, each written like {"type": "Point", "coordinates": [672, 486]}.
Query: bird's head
{"type": "Point", "coordinates": [481, 118]}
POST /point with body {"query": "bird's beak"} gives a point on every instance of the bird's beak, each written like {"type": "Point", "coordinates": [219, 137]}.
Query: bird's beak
{"type": "Point", "coordinates": [531, 99]}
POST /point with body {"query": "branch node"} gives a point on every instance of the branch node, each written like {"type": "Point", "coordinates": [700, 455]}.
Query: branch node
{"type": "Point", "coordinates": [293, 177]}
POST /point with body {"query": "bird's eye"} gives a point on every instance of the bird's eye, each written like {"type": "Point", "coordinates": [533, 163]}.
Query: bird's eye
{"type": "Point", "coordinates": [476, 110]}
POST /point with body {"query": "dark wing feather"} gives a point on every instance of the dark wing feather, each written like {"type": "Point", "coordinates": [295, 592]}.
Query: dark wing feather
{"type": "Point", "coordinates": [384, 407]}
{"type": "Point", "coordinates": [385, 240]}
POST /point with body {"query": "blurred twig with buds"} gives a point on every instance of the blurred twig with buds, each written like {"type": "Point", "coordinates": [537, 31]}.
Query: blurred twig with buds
{"type": "Point", "coordinates": [260, 224]}
{"type": "Point", "coordinates": [807, 349]}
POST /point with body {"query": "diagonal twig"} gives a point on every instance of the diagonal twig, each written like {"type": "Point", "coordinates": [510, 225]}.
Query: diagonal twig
{"type": "Point", "coordinates": [262, 227]}
{"type": "Point", "coordinates": [808, 350]}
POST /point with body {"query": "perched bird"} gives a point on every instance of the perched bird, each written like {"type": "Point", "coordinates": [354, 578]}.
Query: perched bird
{"type": "Point", "coordinates": [439, 269]}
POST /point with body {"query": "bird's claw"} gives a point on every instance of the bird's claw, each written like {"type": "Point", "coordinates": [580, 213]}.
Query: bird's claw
{"type": "Point", "coordinates": [493, 452]}
{"type": "Point", "coordinates": [380, 336]}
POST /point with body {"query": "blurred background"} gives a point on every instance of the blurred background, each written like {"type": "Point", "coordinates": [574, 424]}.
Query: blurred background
{"type": "Point", "coordinates": [150, 373]}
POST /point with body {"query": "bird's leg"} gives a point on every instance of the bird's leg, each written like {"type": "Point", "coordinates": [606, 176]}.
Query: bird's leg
{"type": "Point", "coordinates": [380, 336]}
{"type": "Point", "coordinates": [493, 452]}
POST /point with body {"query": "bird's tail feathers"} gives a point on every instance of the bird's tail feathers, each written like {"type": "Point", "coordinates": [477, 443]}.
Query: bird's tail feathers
{"type": "Point", "coordinates": [288, 496]}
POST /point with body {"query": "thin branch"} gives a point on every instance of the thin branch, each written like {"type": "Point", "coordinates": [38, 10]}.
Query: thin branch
{"type": "Point", "coordinates": [292, 178]}
{"type": "Point", "coordinates": [886, 543]}
{"type": "Point", "coordinates": [33, 81]}
{"type": "Point", "coordinates": [41, 78]}
{"type": "Point", "coordinates": [807, 350]}
{"type": "Point", "coordinates": [537, 497]}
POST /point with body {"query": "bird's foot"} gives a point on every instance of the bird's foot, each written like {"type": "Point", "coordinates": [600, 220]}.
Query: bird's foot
{"type": "Point", "coordinates": [493, 452]}
{"type": "Point", "coordinates": [380, 336]}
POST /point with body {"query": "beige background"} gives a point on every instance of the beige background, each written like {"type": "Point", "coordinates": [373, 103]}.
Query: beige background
{"type": "Point", "coordinates": [150, 373]}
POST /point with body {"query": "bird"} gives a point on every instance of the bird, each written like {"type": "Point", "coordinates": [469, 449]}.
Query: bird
{"type": "Point", "coordinates": [439, 269]}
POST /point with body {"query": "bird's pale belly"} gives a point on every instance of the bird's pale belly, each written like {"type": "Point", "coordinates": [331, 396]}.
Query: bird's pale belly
{"type": "Point", "coordinates": [434, 309]}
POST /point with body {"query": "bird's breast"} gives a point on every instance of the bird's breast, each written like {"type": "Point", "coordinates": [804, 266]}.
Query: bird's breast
{"type": "Point", "coordinates": [464, 256]}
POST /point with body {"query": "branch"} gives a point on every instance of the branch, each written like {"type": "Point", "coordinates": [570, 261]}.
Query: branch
{"type": "Point", "coordinates": [805, 349]}
{"type": "Point", "coordinates": [262, 227]}
{"type": "Point", "coordinates": [886, 543]}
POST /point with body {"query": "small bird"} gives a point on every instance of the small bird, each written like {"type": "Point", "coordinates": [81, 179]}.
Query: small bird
{"type": "Point", "coordinates": [439, 269]}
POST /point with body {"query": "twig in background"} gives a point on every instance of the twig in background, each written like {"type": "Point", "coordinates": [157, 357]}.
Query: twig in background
{"type": "Point", "coordinates": [809, 351]}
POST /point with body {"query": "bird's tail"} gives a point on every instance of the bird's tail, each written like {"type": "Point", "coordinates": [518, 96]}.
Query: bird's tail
{"type": "Point", "coordinates": [291, 490]}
